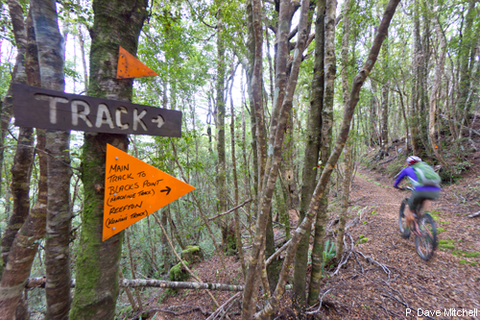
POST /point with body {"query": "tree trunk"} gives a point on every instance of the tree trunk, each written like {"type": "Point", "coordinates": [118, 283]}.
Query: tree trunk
{"type": "Point", "coordinates": [116, 23]}
{"type": "Point", "coordinates": [327, 123]}
{"type": "Point", "coordinates": [348, 167]}
{"type": "Point", "coordinates": [238, 234]}
{"type": "Point", "coordinates": [20, 209]}
{"type": "Point", "coordinates": [57, 252]}
{"type": "Point", "coordinates": [385, 103]}
{"type": "Point", "coordinates": [435, 92]}
{"type": "Point", "coordinates": [312, 149]}
{"type": "Point", "coordinates": [466, 63]}
{"type": "Point", "coordinates": [220, 107]}
{"type": "Point", "coordinates": [417, 61]}
{"type": "Point", "coordinates": [26, 240]}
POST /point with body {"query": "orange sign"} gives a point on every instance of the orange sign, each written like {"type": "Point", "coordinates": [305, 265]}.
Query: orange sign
{"type": "Point", "coordinates": [130, 67]}
{"type": "Point", "coordinates": [134, 189]}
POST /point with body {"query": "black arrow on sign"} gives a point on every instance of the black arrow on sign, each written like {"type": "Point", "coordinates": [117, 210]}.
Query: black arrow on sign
{"type": "Point", "coordinates": [166, 190]}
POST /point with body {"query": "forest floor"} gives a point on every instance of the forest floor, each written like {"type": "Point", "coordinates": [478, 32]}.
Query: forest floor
{"type": "Point", "coordinates": [384, 278]}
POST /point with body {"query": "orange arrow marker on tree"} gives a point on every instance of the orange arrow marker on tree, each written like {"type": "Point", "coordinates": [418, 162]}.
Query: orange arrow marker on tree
{"type": "Point", "coordinates": [130, 67]}
{"type": "Point", "coordinates": [134, 189]}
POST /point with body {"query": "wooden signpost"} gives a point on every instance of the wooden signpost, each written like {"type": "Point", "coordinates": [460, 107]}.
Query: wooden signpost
{"type": "Point", "coordinates": [134, 189]}
{"type": "Point", "coordinates": [49, 109]}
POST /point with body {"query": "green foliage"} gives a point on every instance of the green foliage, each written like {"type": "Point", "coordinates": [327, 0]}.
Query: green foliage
{"type": "Point", "coordinates": [179, 273]}
{"type": "Point", "coordinates": [329, 252]}
{"type": "Point", "coordinates": [466, 254]}
{"type": "Point", "coordinates": [446, 246]}
{"type": "Point", "coordinates": [472, 263]}
{"type": "Point", "coordinates": [231, 247]}
{"type": "Point", "coordinates": [193, 254]}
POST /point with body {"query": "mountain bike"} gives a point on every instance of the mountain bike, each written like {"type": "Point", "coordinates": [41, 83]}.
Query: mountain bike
{"type": "Point", "coordinates": [424, 229]}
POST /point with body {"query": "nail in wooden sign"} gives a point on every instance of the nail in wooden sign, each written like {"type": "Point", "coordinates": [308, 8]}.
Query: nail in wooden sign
{"type": "Point", "coordinates": [49, 109]}
{"type": "Point", "coordinates": [134, 189]}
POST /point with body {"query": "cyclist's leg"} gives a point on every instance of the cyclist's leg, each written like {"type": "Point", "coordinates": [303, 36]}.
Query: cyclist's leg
{"type": "Point", "coordinates": [415, 204]}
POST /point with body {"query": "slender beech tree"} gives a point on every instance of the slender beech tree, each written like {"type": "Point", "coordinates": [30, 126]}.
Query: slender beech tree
{"type": "Point", "coordinates": [312, 149]}
{"type": "Point", "coordinates": [20, 175]}
{"type": "Point", "coordinates": [220, 107]}
{"type": "Point", "coordinates": [466, 61]}
{"type": "Point", "coordinates": [26, 241]}
{"type": "Point", "coordinates": [116, 23]}
{"type": "Point", "coordinates": [57, 254]}
{"type": "Point", "coordinates": [435, 91]}
{"type": "Point", "coordinates": [347, 153]}
{"type": "Point", "coordinates": [327, 123]}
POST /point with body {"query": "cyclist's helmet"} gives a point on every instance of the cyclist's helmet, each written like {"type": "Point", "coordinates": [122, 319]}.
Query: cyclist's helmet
{"type": "Point", "coordinates": [413, 159]}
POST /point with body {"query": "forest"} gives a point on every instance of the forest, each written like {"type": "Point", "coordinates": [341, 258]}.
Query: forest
{"type": "Point", "coordinates": [296, 118]}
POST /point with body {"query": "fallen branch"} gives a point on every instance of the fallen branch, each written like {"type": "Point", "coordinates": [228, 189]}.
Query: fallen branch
{"type": "Point", "coordinates": [231, 210]}
{"type": "Point", "coordinates": [166, 310]}
{"type": "Point", "coordinates": [151, 283]}
{"type": "Point", "coordinates": [222, 307]}
{"type": "Point", "coordinates": [273, 256]}
{"type": "Point", "coordinates": [474, 214]}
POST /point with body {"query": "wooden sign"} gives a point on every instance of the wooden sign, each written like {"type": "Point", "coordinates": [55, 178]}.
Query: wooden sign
{"type": "Point", "coordinates": [135, 189]}
{"type": "Point", "coordinates": [49, 109]}
{"type": "Point", "coordinates": [130, 67]}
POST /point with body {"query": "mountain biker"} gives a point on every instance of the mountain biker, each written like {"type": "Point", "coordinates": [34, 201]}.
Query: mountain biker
{"type": "Point", "coordinates": [422, 194]}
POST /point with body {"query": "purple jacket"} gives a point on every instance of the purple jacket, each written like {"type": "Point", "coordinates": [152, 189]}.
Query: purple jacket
{"type": "Point", "coordinates": [410, 173]}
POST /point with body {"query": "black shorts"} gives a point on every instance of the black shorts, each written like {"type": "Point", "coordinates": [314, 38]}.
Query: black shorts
{"type": "Point", "coordinates": [416, 200]}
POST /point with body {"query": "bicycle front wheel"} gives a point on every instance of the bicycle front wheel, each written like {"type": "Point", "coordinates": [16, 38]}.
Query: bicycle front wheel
{"type": "Point", "coordinates": [427, 241]}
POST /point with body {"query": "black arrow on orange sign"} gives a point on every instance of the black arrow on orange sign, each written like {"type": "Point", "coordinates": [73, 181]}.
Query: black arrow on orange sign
{"type": "Point", "coordinates": [166, 190]}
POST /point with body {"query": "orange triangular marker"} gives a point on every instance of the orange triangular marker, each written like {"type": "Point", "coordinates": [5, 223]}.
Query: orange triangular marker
{"type": "Point", "coordinates": [134, 189]}
{"type": "Point", "coordinates": [130, 67]}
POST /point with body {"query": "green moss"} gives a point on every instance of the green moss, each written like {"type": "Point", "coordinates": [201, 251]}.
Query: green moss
{"type": "Point", "coordinates": [444, 222]}
{"type": "Point", "coordinates": [361, 236]}
{"type": "Point", "coordinates": [466, 254]}
{"type": "Point", "coordinates": [446, 241]}
{"type": "Point", "coordinates": [193, 254]}
{"type": "Point", "coordinates": [179, 273]}
{"type": "Point", "coordinates": [446, 246]}
{"type": "Point", "coordinates": [440, 230]}
{"type": "Point", "coordinates": [362, 240]}
{"type": "Point", "coordinates": [231, 248]}
{"type": "Point", "coordinates": [472, 263]}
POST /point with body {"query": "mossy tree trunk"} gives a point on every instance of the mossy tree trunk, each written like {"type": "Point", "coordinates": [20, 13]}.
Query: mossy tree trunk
{"type": "Point", "coordinates": [220, 106]}
{"type": "Point", "coordinates": [312, 149]}
{"type": "Point", "coordinates": [116, 23]}
{"type": "Point", "coordinates": [326, 142]}
{"type": "Point", "coordinates": [347, 153]}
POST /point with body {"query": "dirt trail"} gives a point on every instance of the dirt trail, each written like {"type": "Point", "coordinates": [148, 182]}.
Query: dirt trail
{"type": "Point", "coordinates": [448, 280]}
{"type": "Point", "coordinates": [362, 289]}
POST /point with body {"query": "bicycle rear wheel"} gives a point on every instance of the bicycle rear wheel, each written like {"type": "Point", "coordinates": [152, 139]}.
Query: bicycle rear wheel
{"type": "Point", "coordinates": [402, 223]}
{"type": "Point", "coordinates": [427, 242]}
